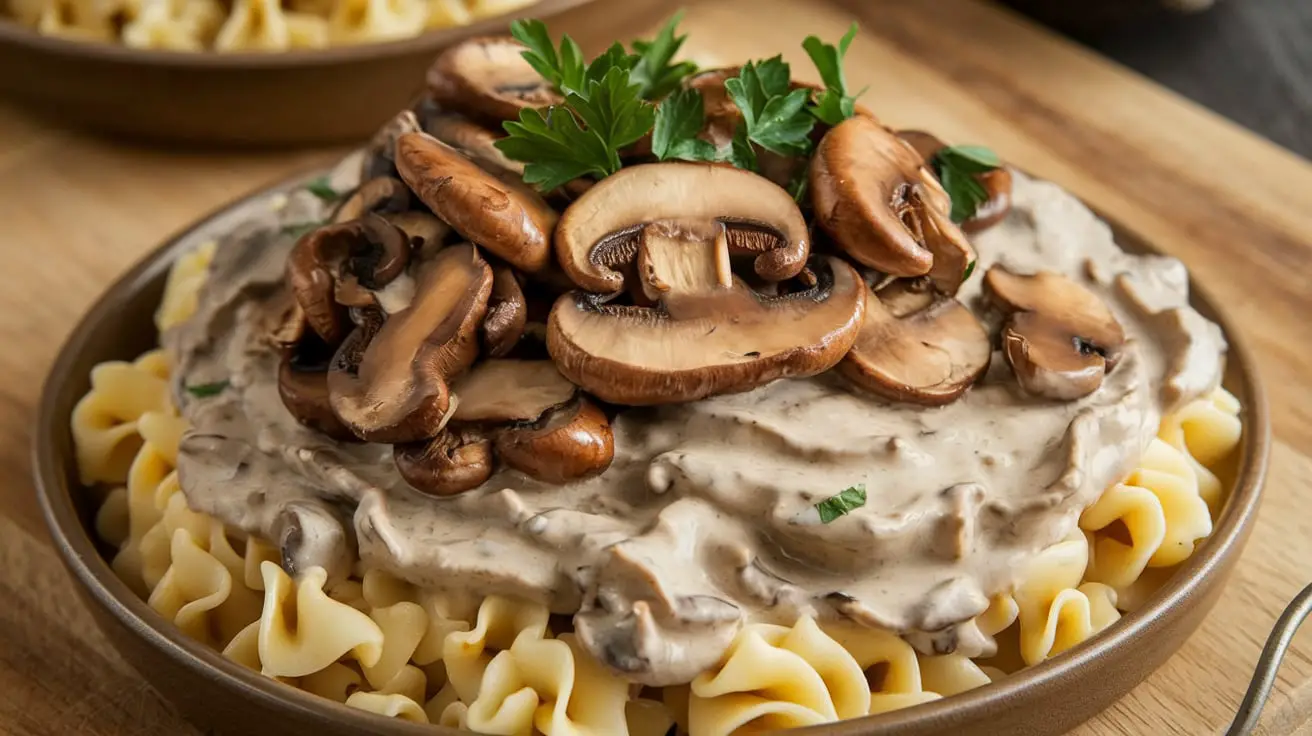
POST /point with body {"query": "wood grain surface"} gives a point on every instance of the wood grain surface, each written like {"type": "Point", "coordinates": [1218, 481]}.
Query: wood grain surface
{"type": "Point", "coordinates": [75, 212]}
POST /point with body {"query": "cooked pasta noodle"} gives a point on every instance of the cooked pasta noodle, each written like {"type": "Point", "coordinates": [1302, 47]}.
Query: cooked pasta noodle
{"type": "Point", "coordinates": [379, 644]}
{"type": "Point", "coordinates": [248, 25]}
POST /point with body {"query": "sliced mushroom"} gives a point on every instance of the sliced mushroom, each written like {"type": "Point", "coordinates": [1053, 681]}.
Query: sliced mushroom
{"type": "Point", "coordinates": [996, 182]}
{"type": "Point", "coordinates": [476, 142]}
{"type": "Point", "coordinates": [303, 386]}
{"type": "Point", "coordinates": [489, 77]}
{"type": "Point", "coordinates": [1060, 338]}
{"type": "Point", "coordinates": [928, 357]}
{"type": "Point", "coordinates": [453, 462]}
{"type": "Point", "coordinates": [425, 231]}
{"type": "Point", "coordinates": [380, 153]}
{"type": "Point", "coordinates": [598, 235]}
{"type": "Point", "coordinates": [339, 265]}
{"type": "Point", "coordinates": [508, 219]}
{"type": "Point", "coordinates": [311, 534]}
{"type": "Point", "coordinates": [507, 313]}
{"type": "Point", "coordinates": [872, 194]}
{"type": "Point", "coordinates": [380, 194]}
{"type": "Point", "coordinates": [510, 391]}
{"type": "Point", "coordinates": [389, 381]}
{"type": "Point", "coordinates": [706, 339]}
{"type": "Point", "coordinates": [570, 442]}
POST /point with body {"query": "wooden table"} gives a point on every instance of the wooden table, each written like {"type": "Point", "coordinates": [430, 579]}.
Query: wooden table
{"type": "Point", "coordinates": [74, 212]}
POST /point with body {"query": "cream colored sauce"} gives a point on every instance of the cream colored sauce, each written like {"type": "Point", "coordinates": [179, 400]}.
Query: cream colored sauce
{"type": "Point", "coordinates": [706, 519]}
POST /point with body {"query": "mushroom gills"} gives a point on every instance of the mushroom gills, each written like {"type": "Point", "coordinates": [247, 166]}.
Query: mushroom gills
{"type": "Point", "coordinates": [596, 234]}
{"type": "Point", "coordinates": [643, 356]}
{"type": "Point", "coordinates": [927, 357]}
{"type": "Point", "coordinates": [389, 380]}
{"type": "Point", "coordinates": [569, 442]}
{"type": "Point", "coordinates": [510, 391]}
{"type": "Point", "coordinates": [1060, 338]}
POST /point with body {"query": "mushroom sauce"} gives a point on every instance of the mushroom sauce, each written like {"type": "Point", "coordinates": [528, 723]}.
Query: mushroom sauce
{"type": "Point", "coordinates": [706, 519]}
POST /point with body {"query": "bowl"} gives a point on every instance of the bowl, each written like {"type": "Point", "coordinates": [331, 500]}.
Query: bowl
{"type": "Point", "coordinates": [303, 97]}
{"type": "Point", "coordinates": [225, 698]}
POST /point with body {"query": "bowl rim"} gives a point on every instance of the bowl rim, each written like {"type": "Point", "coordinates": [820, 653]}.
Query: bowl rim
{"type": "Point", "coordinates": [76, 546]}
{"type": "Point", "coordinates": [14, 33]}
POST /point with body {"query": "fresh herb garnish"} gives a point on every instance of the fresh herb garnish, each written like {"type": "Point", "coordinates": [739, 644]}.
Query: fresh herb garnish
{"type": "Point", "coordinates": [679, 118]}
{"type": "Point", "coordinates": [957, 167]}
{"type": "Point", "coordinates": [320, 188]}
{"type": "Point", "coordinates": [834, 105]}
{"type": "Point", "coordinates": [844, 503]}
{"type": "Point", "coordinates": [603, 112]}
{"type": "Point", "coordinates": [970, 268]}
{"type": "Point", "coordinates": [206, 390]}
{"type": "Point", "coordinates": [800, 184]}
{"type": "Point", "coordinates": [564, 69]}
{"type": "Point", "coordinates": [774, 115]}
{"type": "Point", "coordinates": [652, 71]}
{"type": "Point", "coordinates": [298, 229]}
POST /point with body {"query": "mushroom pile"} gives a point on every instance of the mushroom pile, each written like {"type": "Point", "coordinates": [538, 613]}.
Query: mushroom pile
{"type": "Point", "coordinates": [454, 312]}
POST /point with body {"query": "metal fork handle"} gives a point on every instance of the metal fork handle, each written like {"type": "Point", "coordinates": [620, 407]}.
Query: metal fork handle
{"type": "Point", "coordinates": [1259, 688]}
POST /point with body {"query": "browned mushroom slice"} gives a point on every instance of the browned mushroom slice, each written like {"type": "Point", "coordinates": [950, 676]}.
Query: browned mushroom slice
{"type": "Point", "coordinates": [570, 442]}
{"type": "Point", "coordinates": [380, 152]}
{"type": "Point", "coordinates": [489, 77]}
{"type": "Point", "coordinates": [996, 182]}
{"type": "Point", "coordinates": [1060, 338]}
{"type": "Point", "coordinates": [339, 265]}
{"type": "Point", "coordinates": [706, 339]}
{"type": "Point", "coordinates": [872, 194]}
{"type": "Point", "coordinates": [389, 381]}
{"type": "Point", "coordinates": [425, 231]}
{"type": "Point", "coordinates": [928, 357]}
{"type": "Point", "coordinates": [453, 462]}
{"type": "Point", "coordinates": [303, 386]}
{"type": "Point", "coordinates": [507, 218]}
{"type": "Point", "coordinates": [510, 391]}
{"type": "Point", "coordinates": [507, 314]}
{"type": "Point", "coordinates": [476, 142]}
{"type": "Point", "coordinates": [380, 194]}
{"type": "Point", "coordinates": [598, 235]}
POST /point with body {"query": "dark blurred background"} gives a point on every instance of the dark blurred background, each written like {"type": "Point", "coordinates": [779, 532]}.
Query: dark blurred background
{"type": "Point", "coordinates": [1249, 60]}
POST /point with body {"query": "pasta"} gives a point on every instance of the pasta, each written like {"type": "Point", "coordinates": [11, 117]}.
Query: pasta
{"type": "Point", "coordinates": [379, 644]}
{"type": "Point", "coordinates": [248, 25]}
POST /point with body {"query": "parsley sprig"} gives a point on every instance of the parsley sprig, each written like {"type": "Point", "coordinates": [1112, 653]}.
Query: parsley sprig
{"type": "Point", "coordinates": [958, 168]}
{"type": "Point", "coordinates": [833, 105]}
{"type": "Point", "coordinates": [842, 504]}
{"type": "Point", "coordinates": [654, 71]}
{"type": "Point", "coordinates": [774, 114]}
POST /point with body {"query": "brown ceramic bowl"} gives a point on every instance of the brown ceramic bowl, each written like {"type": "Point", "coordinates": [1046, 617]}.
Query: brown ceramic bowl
{"type": "Point", "coordinates": [225, 698]}
{"type": "Point", "coordinates": [250, 99]}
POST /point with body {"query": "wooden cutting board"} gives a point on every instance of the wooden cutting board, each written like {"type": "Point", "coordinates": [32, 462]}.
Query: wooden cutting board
{"type": "Point", "coordinates": [76, 211]}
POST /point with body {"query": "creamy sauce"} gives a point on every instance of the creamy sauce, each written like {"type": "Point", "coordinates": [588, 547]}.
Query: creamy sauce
{"type": "Point", "coordinates": [706, 518]}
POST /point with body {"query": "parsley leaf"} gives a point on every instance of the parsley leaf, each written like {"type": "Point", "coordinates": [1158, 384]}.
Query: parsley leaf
{"type": "Point", "coordinates": [603, 112]}
{"type": "Point", "coordinates": [834, 105]}
{"type": "Point", "coordinates": [554, 148]}
{"type": "Point", "coordinates": [957, 168]}
{"type": "Point", "coordinates": [653, 72]}
{"type": "Point", "coordinates": [741, 153]}
{"type": "Point", "coordinates": [800, 185]}
{"type": "Point", "coordinates": [320, 188]}
{"type": "Point", "coordinates": [298, 229]}
{"type": "Point", "coordinates": [844, 503]}
{"type": "Point", "coordinates": [564, 69]}
{"type": "Point", "coordinates": [773, 113]}
{"type": "Point", "coordinates": [206, 390]}
{"type": "Point", "coordinates": [679, 118]}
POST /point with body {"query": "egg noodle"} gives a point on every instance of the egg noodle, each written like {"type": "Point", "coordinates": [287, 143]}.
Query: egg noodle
{"type": "Point", "coordinates": [497, 666]}
{"type": "Point", "coordinates": [249, 25]}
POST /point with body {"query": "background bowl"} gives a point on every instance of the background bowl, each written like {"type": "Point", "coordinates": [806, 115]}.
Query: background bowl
{"type": "Point", "coordinates": [224, 698]}
{"type": "Point", "coordinates": [251, 99]}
